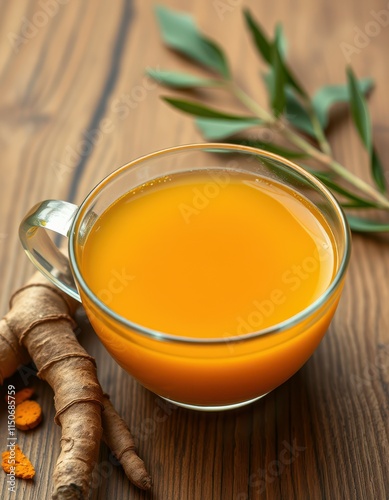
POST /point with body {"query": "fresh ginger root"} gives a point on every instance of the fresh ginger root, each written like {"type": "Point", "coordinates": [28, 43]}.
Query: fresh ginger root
{"type": "Point", "coordinates": [40, 320]}
{"type": "Point", "coordinates": [16, 463]}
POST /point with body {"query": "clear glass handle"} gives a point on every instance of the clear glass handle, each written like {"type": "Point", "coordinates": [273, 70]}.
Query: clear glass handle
{"type": "Point", "coordinates": [56, 216]}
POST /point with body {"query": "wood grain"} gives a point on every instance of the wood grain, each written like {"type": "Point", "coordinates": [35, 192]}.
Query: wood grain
{"type": "Point", "coordinates": [324, 433]}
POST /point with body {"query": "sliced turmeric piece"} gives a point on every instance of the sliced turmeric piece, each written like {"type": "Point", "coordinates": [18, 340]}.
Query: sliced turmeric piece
{"type": "Point", "coordinates": [15, 462]}
{"type": "Point", "coordinates": [28, 415]}
{"type": "Point", "coordinates": [21, 396]}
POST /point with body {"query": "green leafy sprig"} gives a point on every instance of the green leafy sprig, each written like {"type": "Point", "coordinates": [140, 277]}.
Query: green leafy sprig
{"type": "Point", "coordinates": [300, 119]}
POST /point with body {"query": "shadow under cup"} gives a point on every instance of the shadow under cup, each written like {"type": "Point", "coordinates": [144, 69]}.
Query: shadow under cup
{"type": "Point", "coordinates": [219, 373]}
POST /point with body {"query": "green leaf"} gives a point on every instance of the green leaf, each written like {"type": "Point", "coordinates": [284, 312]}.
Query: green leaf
{"type": "Point", "coordinates": [358, 201]}
{"type": "Point", "coordinates": [197, 109]}
{"type": "Point", "coordinates": [264, 47]}
{"type": "Point", "coordinates": [278, 99]}
{"type": "Point", "coordinates": [179, 32]}
{"type": "Point", "coordinates": [353, 205]}
{"type": "Point", "coordinates": [292, 81]}
{"type": "Point", "coordinates": [362, 122]}
{"type": "Point", "coordinates": [177, 80]}
{"type": "Point", "coordinates": [215, 128]}
{"type": "Point", "coordinates": [273, 148]}
{"type": "Point", "coordinates": [325, 97]}
{"type": "Point", "coordinates": [260, 40]}
{"type": "Point", "coordinates": [366, 225]}
{"type": "Point", "coordinates": [377, 171]}
{"type": "Point", "coordinates": [320, 174]}
{"type": "Point", "coordinates": [282, 43]}
{"type": "Point", "coordinates": [296, 114]}
{"type": "Point", "coordinates": [359, 111]}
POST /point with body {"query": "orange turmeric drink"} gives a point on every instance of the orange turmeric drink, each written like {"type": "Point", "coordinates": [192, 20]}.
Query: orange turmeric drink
{"type": "Point", "coordinates": [206, 259]}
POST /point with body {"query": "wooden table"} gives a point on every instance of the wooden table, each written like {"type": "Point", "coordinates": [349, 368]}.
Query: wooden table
{"type": "Point", "coordinates": [58, 81]}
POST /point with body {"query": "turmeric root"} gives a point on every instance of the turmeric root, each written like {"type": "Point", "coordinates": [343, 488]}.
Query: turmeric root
{"type": "Point", "coordinates": [15, 462]}
{"type": "Point", "coordinates": [40, 319]}
{"type": "Point", "coordinates": [118, 437]}
{"type": "Point", "coordinates": [28, 415]}
{"type": "Point", "coordinates": [48, 337]}
{"type": "Point", "coordinates": [12, 354]}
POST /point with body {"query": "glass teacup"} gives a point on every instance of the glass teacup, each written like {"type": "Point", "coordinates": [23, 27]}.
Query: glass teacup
{"type": "Point", "coordinates": [215, 371]}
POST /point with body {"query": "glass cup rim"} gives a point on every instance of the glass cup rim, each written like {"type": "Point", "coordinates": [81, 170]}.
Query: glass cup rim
{"type": "Point", "coordinates": [163, 336]}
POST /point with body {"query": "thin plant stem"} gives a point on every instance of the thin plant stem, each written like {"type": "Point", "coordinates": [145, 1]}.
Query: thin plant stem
{"type": "Point", "coordinates": [321, 138]}
{"type": "Point", "coordinates": [322, 156]}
